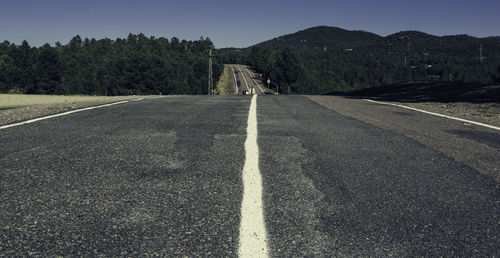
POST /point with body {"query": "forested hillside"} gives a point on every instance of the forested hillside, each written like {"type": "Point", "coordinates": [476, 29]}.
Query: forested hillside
{"type": "Point", "coordinates": [136, 65]}
{"type": "Point", "coordinates": [326, 59]}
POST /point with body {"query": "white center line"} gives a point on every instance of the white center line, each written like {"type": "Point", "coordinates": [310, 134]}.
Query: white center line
{"type": "Point", "coordinates": [435, 114]}
{"type": "Point", "coordinates": [253, 237]}
{"type": "Point", "coordinates": [61, 114]}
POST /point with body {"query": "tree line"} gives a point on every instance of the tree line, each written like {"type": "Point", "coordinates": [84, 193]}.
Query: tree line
{"type": "Point", "coordinates": [135, 65]}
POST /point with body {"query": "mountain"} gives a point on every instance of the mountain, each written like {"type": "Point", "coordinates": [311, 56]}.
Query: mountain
{"type": "Point", "coordinates": [337, 39]}
{"type": "Point", "coordinates": [457, 45]}
{"type": "Point", "coordinates": [327, 59]}
{"type": "Point", "coordinates": [323, 36]}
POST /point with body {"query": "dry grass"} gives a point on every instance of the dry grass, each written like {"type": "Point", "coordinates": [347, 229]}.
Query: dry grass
{"type": "Point", "coordinates": [225, 86]}
{"type": "Point", "coordinates": [8, 101]}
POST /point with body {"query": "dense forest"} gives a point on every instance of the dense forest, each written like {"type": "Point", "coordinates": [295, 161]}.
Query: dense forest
{"type": "Point", "coordinates": [136, 65]}
{"type": "Point", "coordinates": [326, 59]}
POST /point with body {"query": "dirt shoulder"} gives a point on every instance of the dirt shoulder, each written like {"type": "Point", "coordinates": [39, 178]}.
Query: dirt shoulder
{"type": "Point", "coordinates": [20, 107]}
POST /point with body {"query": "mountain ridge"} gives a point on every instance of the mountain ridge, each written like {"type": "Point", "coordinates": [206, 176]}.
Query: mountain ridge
{"type": "Point", "coordinates": [321, 37]}
{"type": "Point", "coordinates": [332, 37]}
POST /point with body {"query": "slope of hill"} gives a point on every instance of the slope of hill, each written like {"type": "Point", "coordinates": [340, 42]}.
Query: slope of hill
{"type": "Point", "coordinates": [326, 59]}
{"type": "Point", "coordinates": [334, 38]}
{"type": "Point", "coordinates": [324, 37]}
{"type": "Point", "coordinates": [457, 45]}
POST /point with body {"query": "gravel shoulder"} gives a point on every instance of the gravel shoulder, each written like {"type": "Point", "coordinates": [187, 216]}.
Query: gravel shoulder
{"type": "Point", "coordinates": [15, 108]}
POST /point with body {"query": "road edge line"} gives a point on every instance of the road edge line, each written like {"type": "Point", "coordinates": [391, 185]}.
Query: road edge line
{"type": "Point", "coordinates": [435, 114]}
{"type": "Point", "coordinates": [254, 80]}
{"type": "Point", "coordinates": [62, 114]}
{"type": "Point", "coordinates": [253, 236]}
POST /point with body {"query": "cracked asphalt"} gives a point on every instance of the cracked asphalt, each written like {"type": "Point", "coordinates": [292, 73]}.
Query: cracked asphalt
{"type": "Point", "coordinates": [163, 177]}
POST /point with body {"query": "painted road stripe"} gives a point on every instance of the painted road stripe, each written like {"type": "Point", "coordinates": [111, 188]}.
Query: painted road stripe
{"type": "Point", "coordinates": [436, 114]}
{"type": "Point", "coordinates": [254, 81]}
{"type": "Point", "coordinates": [235, 81]}
{"type": "Point", "coordinates": [253, 237]}
{"type": "Point", "coordinates": [61, 114]}
{"type": "Point", "coordinates": [243, 75]}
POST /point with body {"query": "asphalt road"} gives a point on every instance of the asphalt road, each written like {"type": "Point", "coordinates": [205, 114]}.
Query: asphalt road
{"type": "Point", "coordinates": [163, 177]}
{"type": "Point", "coordinates": [245, 80]}
{"type": "Point", "coordinates": [475, 146]}
{"type": "Point", "coordinates": [241, 84]}
{"type": "Point", "coordinates": [338, 186]}
{"type": "Point", "coordinates": [153, 177]}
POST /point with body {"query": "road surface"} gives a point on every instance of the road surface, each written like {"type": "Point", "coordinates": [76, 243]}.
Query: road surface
{"type": "Point", "coordinates": [246, 80]}
{"type": "Point", "coordinates": [165, 177]}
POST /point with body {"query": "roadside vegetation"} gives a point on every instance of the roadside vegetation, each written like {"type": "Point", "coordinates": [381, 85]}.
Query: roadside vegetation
{"type": "Point", "coordinates": [136, 65]}
{"type": "Point", "coordinates": [225, 85]}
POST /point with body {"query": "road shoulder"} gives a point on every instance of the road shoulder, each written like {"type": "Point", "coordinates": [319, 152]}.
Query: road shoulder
{"type": "Point", "coordinates": [23, 108]}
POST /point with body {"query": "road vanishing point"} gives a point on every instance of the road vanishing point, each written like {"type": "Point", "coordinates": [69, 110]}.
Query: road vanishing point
{"type": "Point", "coordinates": [249, 176]}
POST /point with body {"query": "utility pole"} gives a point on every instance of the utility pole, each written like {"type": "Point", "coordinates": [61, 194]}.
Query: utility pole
{"type": "Point", "coordinates": [481, 53]}
{"type": "Point", "coordinates": [407, 52]}
{"type": "Point", "coordinates": [210, 79]}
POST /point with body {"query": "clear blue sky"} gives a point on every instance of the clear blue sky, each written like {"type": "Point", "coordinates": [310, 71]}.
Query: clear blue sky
{"type": "Point", "coordinates": [238, 23]}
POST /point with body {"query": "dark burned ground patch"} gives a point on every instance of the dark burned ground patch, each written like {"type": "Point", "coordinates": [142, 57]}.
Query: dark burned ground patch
{"type": "Point", "coordinates": [430, 91]}
{"type": "Point", "coordinates": [490, 139]}
{"type": "Point", "coordinates": [6, 108]}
